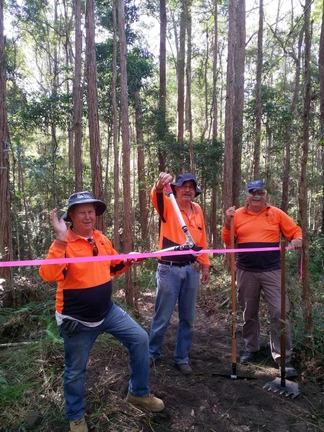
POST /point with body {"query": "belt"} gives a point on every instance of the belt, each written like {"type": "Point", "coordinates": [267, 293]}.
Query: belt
{"type": "Point", "coordinates": [175, 263]}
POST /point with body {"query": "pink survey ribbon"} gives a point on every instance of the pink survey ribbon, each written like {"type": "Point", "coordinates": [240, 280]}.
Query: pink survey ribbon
{"type": "Point", "coordinates": [132, 256]}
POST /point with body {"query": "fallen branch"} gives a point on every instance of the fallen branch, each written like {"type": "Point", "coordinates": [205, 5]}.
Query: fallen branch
{"type": "Point", "coordinates": [12, 344]}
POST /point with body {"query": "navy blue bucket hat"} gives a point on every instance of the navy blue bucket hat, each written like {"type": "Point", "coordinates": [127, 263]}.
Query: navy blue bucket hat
{"type": "Point", "coordinates": [84, 197]}
{"type": "Point", "coordinates": [184, 178]}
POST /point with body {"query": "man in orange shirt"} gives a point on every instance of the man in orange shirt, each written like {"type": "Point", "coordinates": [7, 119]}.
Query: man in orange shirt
{"type": "Point", "coordinates": [177, 276]}
{"type": "Point", "coordinates": [84, 308]}
{"type": "Point", "coordinates": [259, 225]}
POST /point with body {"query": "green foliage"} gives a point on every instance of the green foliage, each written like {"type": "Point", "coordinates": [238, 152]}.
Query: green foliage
{"type": "Point", "coordinates": [12, 394]}
{"type": "Point", "coordinates": [105, 20]}
{"type": "Point", "coordinates": [43, 111]}
{"type": "Point", "coordinates": [316, 258]}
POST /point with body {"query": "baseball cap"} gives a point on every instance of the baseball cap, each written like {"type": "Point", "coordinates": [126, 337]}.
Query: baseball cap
{"type": "Point", "coordinates": [256, 185]}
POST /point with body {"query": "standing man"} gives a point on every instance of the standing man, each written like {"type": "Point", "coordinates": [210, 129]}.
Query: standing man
{"type": "Point", "coordinates": [84, 308]}
{"type": "Point", "coordinates": [259, 225]}
{"type": "Point", "coordinates": [177, 276]}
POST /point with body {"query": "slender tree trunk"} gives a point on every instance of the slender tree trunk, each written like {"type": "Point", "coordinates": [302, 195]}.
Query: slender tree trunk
{"type": "Point", "coordinates": [5, 201]}
{"type": "Point", "coordinates": [239, 100]}
{"type": "Point", "coordinates": [206, 87]}
{"type": "Point", "coordinates": [77, 100]}
{"type": "Point", "coordinates": [321, 74]}
{"type": "Point", "coordinates": [188, 84]}
{"type": "Point", "coordinates": [288, 133]}
{"type": "Point", "coordinates": [93, 115]}
{"type": "Point", "coordinates": [307, 294]}
{"type": "Point", "coordinates": [127, 234]}
{"type": "Point", "coordinates": [180, 71]}
{"type": "Point", "coordinates": [115, 139]}
{"type": "Point", "coordinates": [163, 24]}
{"type": "Point", "coordinates": [68, 64]}
{"type": "Point", "coordinates": [258, 96]}
{"type": "Point", "coordinates": [215, 54]}
{"type": "Point", "coordinates": [213, 215]}
{"type": "Point", "coordinates": [142, 195]}
{"type": "Point", "coordinates": [229, 108]}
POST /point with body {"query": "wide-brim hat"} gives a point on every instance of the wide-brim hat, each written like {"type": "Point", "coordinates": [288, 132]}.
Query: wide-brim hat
{"type": "Point", "coordinates": [183, 178]}
{"type": "Point", "coordinates": [84, 197]}
{"type": "Point", "coordinates": [256, 185]}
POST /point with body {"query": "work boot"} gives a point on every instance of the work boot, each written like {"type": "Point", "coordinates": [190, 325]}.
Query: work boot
{"type": "Point", "coordinates": [148, 403]}
{"type": "Point", "coordinates": [184, 368]}
{"type": "Point", "coordinates": [248, 357]}
{"type": "Point", "coordinates": [78, 425]}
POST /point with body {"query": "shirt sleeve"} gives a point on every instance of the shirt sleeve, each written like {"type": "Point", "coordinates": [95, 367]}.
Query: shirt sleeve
{"type": "Point", "coordinates": [117, 267]}
{"type": "Point", "coordinates": [288, 227]}
{"type": "Point", "coordinates": [54, 272]}
{"type": "Point", "coordinates": [204, 258]}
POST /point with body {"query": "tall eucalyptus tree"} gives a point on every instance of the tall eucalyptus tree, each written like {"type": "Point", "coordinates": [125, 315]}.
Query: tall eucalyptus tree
{"type": "Point", "coordinates": [239, 59]}
{"type": "Point", "coordinates": [115, 130]}
{"type": "Point", "coordinates": [307, 294]}
{"type": "Point", "coordinates": [213, 212]}
{"type": "Point", "coordinates": [258, 96]}
{"type": "Point", "coordinates": [181, 70]}
{"type": "Point", "coordinates": [5, 201]}
{"type": "Point", "coordinates": [162, 64]}
{"type": "Point", "coordinates": [321, 74]}
{"type": "Point", "coordinates": [127, 231]}
{"type": "Point", "coordinates": [77, 98]}
{"type": "Point", "coordinates": [229, 108]}
{"type": "Point", "coordinates": [93, 114]}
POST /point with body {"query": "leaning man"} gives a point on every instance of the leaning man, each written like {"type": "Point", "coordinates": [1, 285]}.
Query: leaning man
{"type": "Point", "coordinates": [84, 308]}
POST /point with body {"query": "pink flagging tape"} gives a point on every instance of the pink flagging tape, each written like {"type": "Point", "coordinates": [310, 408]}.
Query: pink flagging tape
{"type": "Point", "coordinates": [132, 256]}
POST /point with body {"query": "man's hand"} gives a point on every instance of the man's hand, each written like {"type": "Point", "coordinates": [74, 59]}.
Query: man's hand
{"type": "Point", "coordinates": [297, 243]}
{"type": "Point", "coordinates": [59, 226]}
{"type": "Point", "coordinates": [205, 275]}
{"type": "Point", "coordinates": [164, 179]}
{"type": "Point", "coordinates": [131, 261]}
{"type": "Point", "coordinates": [230, 212]}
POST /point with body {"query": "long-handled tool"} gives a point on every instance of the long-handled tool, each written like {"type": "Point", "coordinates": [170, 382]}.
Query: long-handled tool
{"type": "Point", "coordinates": [189, 244]}
{"type": "Point", "coordinates": [233, 375]}
{"type": "Point", "coordinates": [282, 385]}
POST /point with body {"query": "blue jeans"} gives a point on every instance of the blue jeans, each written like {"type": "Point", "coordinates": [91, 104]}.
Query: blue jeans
{"type": "Point", "coordinates": [77, 350]}
{"type": "Point", "coordinates": [174, 284]}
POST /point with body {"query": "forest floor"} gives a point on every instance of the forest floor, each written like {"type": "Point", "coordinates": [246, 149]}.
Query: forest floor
{"type": "Point", "coordinates": [205, 402]}
{"type": "Point", "coordinates": [201, 402]}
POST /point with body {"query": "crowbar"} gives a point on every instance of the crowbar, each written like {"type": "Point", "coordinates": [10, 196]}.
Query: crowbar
{"type": "Point", "coordinates": [282, 385]}
{"type": "Point", "coordinates": [233, 375]}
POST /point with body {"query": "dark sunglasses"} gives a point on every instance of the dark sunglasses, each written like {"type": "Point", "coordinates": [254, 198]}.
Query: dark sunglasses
{"type": "Point", "coordinates": [94, 246]}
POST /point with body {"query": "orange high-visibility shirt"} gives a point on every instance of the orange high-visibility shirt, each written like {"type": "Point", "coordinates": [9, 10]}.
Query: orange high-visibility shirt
{"type": "Point", "coordinates": [260, 230]}
{"type": "Point", "coordinates": [83, 289]}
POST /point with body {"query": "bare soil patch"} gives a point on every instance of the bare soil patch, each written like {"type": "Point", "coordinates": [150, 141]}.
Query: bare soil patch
{"type": "Point", "coordinates": [204, 402]}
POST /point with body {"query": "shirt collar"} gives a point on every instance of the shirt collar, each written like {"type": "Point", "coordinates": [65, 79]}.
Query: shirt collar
{"type": "Point", "coordinates": [266, 207]}
{"type": "Point", "coordinates": [72, 237]}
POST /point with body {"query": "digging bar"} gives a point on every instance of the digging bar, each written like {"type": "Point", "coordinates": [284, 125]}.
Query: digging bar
{"type": "Point", "coordinates": [281, 385]}
{"type": "Point", "coordinates": [233, 375]}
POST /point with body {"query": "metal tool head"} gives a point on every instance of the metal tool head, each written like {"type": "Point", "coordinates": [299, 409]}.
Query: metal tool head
{"type": "Point", "coordinates": [234, 376]}
{"type": "Point", "coordinates": [287, 388]}
{"type": "Point", "coordinates": [185, 246]}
